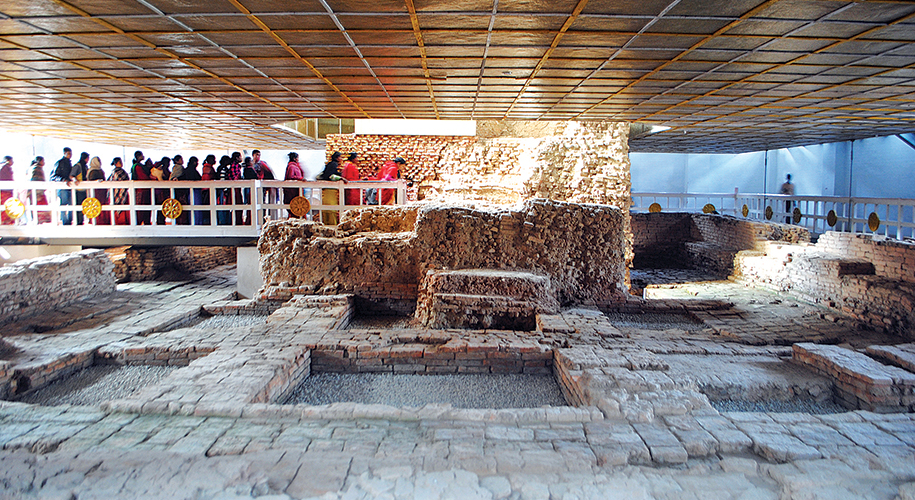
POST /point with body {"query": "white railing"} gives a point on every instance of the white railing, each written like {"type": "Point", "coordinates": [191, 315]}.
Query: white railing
{"type": "Point", "coordinates": [896, 215]}
{"type": "Point", "coordinates": [210, 208]}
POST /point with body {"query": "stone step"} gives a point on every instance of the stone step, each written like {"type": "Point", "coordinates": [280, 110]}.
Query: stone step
{"type": "Point", "coordinates": [861, 382]}
{"type": "Point", "coordinates": [899, 355]}
{"type": "Point", "coordinates": [496, 282]}
{"type": "Point", "coordinates": [484, 298]}
{"type": "Point", "coordinates": [455, 301]}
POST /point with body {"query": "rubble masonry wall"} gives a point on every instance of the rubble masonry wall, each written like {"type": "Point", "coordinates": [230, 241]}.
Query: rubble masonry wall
{"type": "Point", "coordinates": [581, 162]}
{"type": "Point", "coordinates": [32, 286]}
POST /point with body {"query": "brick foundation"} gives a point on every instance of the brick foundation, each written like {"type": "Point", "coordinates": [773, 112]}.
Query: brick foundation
{"type": "Point", "coordinates": [484, 298]}
{"type": "Point", "coordinates": [861, 382]}
{"type": "Point", "coordinates": [29, 287]}
{"type": "Point", "coordinates": [704, 241]}
{"type": "Point", "coordinates": [146, 263]}
{"type": "Point", "coordinates": [871, 279]}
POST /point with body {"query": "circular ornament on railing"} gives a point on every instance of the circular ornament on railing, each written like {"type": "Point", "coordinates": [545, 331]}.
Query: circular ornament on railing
{"type": "Point", "coordinates": [14, 208]}
{"type": "Point", "coordinates": [769, 213]}
{"type": "Point", "coordinates": [873, 221]}
{"type": "Point", "coordinates": [171, 208]}
{"type": "Point", "coordinates": [300, 206]}
{"type": "Point", "coordinates": [92, 208]}
{"type": "Point", "coordinates": [796, 215]}
{"type": "Point", "coordinates": [832, 218]}
{"type": "Point", "coordinates": [654, 208]}
{"type": "Point", "coordinates": [708, 208]}
{"type": "Point", "coordinates": [745, 210]}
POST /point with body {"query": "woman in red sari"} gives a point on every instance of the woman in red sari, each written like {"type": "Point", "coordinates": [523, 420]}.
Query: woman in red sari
{"type": "Point", "coordinates": [350, 172]}
{"type": "Point", "coordinates": [43, 217]}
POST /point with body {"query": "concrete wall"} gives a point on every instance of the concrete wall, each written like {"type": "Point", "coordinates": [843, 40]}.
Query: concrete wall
{"type": "Point", "coordinates": [864, 168]}
{"type": "Point", "coordinates": [15, 253]}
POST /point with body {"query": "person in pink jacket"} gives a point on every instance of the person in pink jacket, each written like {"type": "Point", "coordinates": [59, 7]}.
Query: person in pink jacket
{"type": "Point", "coordinates": [293, 173]}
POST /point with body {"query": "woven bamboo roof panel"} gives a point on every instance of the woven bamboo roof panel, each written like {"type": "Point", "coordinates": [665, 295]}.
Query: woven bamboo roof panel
{"type": "Point", "coordinates": [725, 75]}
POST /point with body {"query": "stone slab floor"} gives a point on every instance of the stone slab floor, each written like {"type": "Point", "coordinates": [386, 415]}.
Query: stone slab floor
{"type": "Point", "coordinates": [183, 444]}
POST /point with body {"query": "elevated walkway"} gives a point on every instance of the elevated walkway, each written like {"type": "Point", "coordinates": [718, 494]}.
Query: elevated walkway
{"type": "Point", "coordinates": [217, 213]}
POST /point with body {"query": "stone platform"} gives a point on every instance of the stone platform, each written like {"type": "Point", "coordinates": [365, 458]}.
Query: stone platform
{"type": "Point", "coordinates": [484, 298]}
{"type": "Point", "coordinates": [861, 382]}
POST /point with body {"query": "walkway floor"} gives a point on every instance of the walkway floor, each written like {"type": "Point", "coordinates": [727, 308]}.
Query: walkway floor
{"type": "Point", "coordinates": [202, 433]}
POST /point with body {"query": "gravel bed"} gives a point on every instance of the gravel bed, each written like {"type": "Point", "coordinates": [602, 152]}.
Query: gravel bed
{"type": "Point", "coordinates": [97, 384]}
{"type": "Point", "coordinates": [655, 321]}
{"type": "Point", "coordinates": [385, 322]}
{"type": "Point", "coordinates": [791, 406]}
{"type": "Point", "coordinates": [226, 321]}
{"type": "Point", "coordinates": [407, 390]}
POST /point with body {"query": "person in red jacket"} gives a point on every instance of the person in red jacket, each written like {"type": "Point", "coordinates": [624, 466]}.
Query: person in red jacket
{"type": "Point", "coordinates": [390, 171]}
{"type": "Point", "coordinates": [350, 172]}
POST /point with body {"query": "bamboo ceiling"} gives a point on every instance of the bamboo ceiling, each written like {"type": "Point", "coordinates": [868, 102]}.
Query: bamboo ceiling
{"type": "Point", "coordinates": [726, 75]}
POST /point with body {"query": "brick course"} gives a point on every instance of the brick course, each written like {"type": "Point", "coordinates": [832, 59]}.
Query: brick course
{"type": "Point", "coordinates": [705, 241]}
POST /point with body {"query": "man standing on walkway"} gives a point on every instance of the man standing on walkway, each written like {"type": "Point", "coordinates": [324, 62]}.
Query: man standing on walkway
{"type": "Point", "coordinates": [63, 172]}
{"type": "Point", "coordinates": [788, 189]}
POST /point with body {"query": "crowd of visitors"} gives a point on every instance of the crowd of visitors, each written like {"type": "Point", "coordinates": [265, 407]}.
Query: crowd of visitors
{"type": "Point", "coordinates": [229, 168]}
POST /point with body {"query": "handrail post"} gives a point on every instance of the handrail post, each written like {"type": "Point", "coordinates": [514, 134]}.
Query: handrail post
{"type": "Point", "coordinates": [401, 193]}
{"type": "Point", "coordinates": [851, 215]}
{"type": "Point", "coordinates": [256, 195]}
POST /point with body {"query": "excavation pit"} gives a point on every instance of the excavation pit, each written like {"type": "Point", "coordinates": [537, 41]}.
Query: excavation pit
{"type": "Point", "coordinates": [365, 321]}
{"type": "Point", "coordinates": [655, 321]}
{"type": "Point", "coordinates": [96, 384]}
{"type": "Point", "coordinates": [408, 390]}
{"type": "Point", "coordinates": [808, 406]}
{"type": "Point", "coordinates": [205, 321]}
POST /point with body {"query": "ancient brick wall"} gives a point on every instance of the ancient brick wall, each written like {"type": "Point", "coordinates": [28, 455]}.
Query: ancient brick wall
{"type": "Point", "coordinates": [705, 241]}
{"type": "Point", "coordinates": [891, 258]}
{"type": "Point", "coordinates": [870, 279]}
{"type": "Point", "coordinates": [423, 153]}
{"type": "Point", "coordinates": [579, 162]}
{"type": "Point", "coordinates": [145, 263]}
{"type": "Point", "coordinates": [658, 239]}
{"type": "Point", "coordinates": [32, 286]}
{"type": "Point", "coordinates": [581, 247]}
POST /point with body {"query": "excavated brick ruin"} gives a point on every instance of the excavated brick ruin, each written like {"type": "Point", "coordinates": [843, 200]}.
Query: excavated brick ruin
{"type": "Point", "coordinates": [559, 253]}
